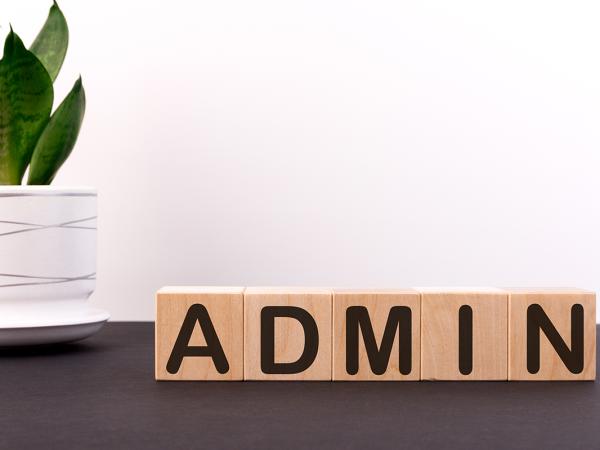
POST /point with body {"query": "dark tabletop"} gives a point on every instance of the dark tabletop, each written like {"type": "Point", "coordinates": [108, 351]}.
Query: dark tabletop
{"type": "Point", "coordinates": [101, 393]}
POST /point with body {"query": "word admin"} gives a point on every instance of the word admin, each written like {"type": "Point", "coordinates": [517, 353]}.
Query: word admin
{"type": "Point", "coordinates": [255, 333]}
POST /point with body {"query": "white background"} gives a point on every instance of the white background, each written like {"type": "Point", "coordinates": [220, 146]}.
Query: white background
{"type": "Point", "coordinates": [330, 142]}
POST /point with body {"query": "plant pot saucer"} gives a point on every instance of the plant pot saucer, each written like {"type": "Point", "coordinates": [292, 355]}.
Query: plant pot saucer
{"type": "Point", "coordinates": [50, 329]}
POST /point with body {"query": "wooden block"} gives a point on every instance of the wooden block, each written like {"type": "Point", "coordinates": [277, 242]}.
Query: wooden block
{"type": "Point", "coordinates": [199, 333]}
{"type": "Point", "coordinates": [287, 334]}
{"type": "Point", "coordinates": [464, 334]}
{"type": "Point", "coordinates": [376, 335]}
{"type": "Point", "coordinates": [552, 334]}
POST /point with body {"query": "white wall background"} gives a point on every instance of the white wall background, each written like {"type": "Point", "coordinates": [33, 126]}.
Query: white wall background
{"type": "Point", "coordinates": [331, 142]}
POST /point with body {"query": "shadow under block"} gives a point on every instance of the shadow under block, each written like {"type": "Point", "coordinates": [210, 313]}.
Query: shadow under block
{"type": "Point", "coordinates": [199, 333]}
{"type": "Point", "coordinates": [287, 334]}
{"type": "Point", "coordinates": [376, 335]}
{"type": "Point", "coordinates": [464, 335]}
{"type": "Point", "coordinates": [552, 334]}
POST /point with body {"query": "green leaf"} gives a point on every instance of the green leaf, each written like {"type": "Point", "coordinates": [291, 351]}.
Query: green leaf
{"type": "Point", "coordinates": [50, 45]}
{"type": "Point", "coordinates": [58, 138]}
{"type": "Point", "coordinates": [26, 97]}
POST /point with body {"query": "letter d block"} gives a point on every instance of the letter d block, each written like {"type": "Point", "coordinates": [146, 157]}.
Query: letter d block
{"type": "Point", "coordinates": [552, 334]}
{"type": "Point", "coordinates": [199, 333]}
{"type": "Point", "coordinates": [287, 334]}
{"type": "Point", "coordinates": [464, 334]}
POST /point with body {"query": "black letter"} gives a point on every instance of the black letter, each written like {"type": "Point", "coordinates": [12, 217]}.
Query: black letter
{"type": "Point", "coordinates": [538, 320]}
{"type": "Point", "coordinates": [181, 349]}
{"type": "Point", "coordinates": [399, 318]}
{"type": "Point", "coordinates": [465, 339]}
{"type": "Point", "coordinates": [267, 339]}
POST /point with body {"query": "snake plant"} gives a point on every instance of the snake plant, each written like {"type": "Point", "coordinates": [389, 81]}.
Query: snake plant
{"type": "Point", "coordinates": [31, 135]}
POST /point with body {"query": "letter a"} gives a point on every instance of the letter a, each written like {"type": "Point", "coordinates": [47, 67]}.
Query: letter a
{"type": "Point", "coordinates": [182, 349]}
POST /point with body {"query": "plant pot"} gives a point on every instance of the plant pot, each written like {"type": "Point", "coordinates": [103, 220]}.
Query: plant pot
{"type": "Point", "coordinates": [47, 264]}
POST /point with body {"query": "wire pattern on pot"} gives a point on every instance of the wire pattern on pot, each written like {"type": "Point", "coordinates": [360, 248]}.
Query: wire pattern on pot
{"type": "Point", "coordinates": [43, 280]}
{"type": "Point", "coordinates": [35, 226]}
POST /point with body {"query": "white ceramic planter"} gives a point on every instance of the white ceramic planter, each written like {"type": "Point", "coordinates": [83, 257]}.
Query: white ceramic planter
{"type": "Point", "coordinates": [47, 257]}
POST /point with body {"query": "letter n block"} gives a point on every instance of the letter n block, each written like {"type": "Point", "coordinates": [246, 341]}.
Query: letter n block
{"type": "Point", "coordinates": [376, 335]}
{"type": "Point", "coordinates": [287, 334]}
{"type": "Point", "coordinates": [199, 333]}
{"type": "Point", "coordinates": [552, 334]}
{"type": "Point", "coordinates": [464, 334]}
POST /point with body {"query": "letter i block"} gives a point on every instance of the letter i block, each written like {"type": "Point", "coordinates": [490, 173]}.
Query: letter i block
{"type": "Point", "coordinates": [199, 333]}
{"type": "Point", "coordinates": [464, 334]}
{"type": "Point", "coordinates": [287, 334]}
{"type": "Point", "coordinates": [376, 335]}
{"type": "Point", "coordinates": [552, 334]}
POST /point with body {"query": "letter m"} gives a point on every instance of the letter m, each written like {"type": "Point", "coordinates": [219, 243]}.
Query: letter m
{"type": "Point", "coordinates": [399, 319]}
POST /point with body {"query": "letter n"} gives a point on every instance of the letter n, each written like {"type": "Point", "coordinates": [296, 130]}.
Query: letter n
{"type": "Point", "coordinates": [537, 321]}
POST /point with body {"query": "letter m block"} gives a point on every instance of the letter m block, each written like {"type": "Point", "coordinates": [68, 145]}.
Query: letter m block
{"type": "Point", "coordinates": [199, 333]}
{"type": "Point", "coordinates": [376, 335]}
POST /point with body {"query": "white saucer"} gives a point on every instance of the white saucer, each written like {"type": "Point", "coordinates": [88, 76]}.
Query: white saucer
{"type": "Point", "coordinates": [50, 329]}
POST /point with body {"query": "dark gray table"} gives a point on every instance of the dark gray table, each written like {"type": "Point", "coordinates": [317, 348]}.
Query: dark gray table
{"type": "Point", "coordinates": [100, 393]}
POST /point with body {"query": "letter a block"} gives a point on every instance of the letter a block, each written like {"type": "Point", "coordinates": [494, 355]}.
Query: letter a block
{"type": "Point", "coordinates": [552, 334]}
{"type": "Point", "coordinates": [287, 334]}
{"type": "Point", "coordinates": [199, 333]}
{"type": "Point", "coordinates": [464, 334]}
{"type": "Point", "coordinates": [376, 335]}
